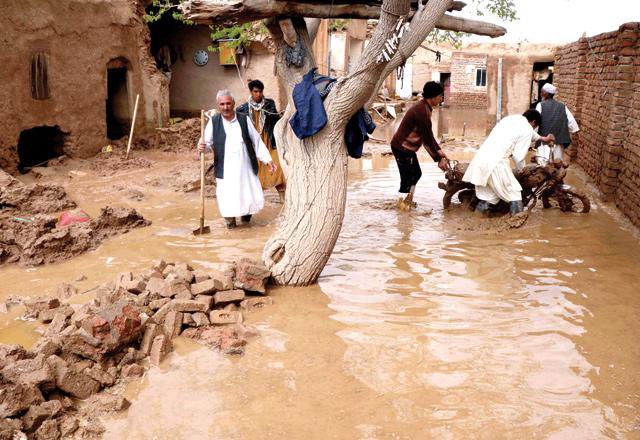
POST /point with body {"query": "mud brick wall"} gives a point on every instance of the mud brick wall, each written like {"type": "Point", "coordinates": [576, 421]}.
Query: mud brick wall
{"type": "Point", "coordinates": [599, 79]}
{"type": "Point", "coordinates": [464, 92]}
{"type": "Point", "coordinates": [78, 39]}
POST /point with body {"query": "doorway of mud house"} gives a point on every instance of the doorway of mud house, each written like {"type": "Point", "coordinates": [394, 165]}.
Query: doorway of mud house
{"type": "Point", "coordinates": [445, 80]}
{"type": "Point", "coordinates": [118, 111]}
{"type": "Point", "coordinates": [38, 145]}
{"type": "Point", "coordinates": [542, 74]}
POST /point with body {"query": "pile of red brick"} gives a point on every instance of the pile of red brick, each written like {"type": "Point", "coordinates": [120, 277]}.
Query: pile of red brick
{"type": "Point", "coordinates": [87, 349]}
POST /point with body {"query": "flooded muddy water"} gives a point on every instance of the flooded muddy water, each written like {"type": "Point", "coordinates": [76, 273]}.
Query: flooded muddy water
{"type": "Point", "coordinates": [415, 330]}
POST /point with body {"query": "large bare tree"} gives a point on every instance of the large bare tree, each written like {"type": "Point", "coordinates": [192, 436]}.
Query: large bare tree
{"type": "Point", "coordinates": [316, 167]}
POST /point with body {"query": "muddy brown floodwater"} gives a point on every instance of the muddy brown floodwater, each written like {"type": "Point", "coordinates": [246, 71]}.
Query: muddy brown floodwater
{"type": "Point", "coordinates": [416, 329]}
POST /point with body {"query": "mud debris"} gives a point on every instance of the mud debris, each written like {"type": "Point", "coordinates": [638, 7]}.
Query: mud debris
{"type": "Point", "coordinates": [109, 164]}
{"type": "Point", "coordinates": [185, 178]}
{"type": "Point", "coordinates": [181, 136]}
{"type": "Point", "coordinates": [29, 233]}
{"type": "Point", "coordinates": [72, 375]}
{"type": "Point", "coordinates": [18, 199]}
{"type": "Point", "coordinates": [130, 193]}
{"type": "Point", "coordinates": [40, 241]}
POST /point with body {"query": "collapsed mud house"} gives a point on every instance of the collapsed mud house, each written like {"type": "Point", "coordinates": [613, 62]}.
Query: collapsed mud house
{"type": "Point", "coordinates": [71, 77]}
{"type": "Point", "coordinates": [74, 69]}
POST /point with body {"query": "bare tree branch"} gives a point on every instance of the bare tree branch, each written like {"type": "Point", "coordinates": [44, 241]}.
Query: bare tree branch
{"type": "Point", "coordinates": [241, 11]}
{"type": "Point", "coordinates": [313, 24]}
{"type": "Point", "coordinates": [423, 20]}
{"type": "Point", "coordinates": [458, 24]}
{"type": "Point", "coordinates": [370, 74]}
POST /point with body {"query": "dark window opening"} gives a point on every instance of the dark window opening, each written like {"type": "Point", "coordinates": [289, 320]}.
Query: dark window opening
{"type": "Point", "coordinates": [39, 77]}
{"type": "Point", "coordinates": [38, 145]}
{"type": "Point", "coordinates": [118, 114]}
{"type": "Point", "coordinates": [481, 77]}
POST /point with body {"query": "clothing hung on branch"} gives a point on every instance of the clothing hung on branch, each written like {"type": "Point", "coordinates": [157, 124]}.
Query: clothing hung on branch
{"type": "Point", "coordinates": [311, 117]}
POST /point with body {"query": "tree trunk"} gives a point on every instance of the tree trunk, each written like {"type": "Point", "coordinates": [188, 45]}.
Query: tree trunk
{"type": "Point", "coordinates": [314, 206]}
{"type": "Point", "coordinates": [316, 171]}
{"type": "Point", "coordinates": [316, 168]}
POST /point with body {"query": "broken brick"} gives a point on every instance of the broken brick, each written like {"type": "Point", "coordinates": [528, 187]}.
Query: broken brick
{"type": "Point", "coordinates": [159, 349]}
{"type": "Point", "coordinates": [222, 317]}
{"type": "Point", "coordinates": [227, 296]}
{"type": "Point", "coordinates": [172, 324]}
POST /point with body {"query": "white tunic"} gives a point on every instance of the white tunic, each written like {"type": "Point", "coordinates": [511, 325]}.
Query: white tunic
{"type": "Point", "coordinates": [490, 169]}
{"type": "Point", "coordinates": [239, 192]}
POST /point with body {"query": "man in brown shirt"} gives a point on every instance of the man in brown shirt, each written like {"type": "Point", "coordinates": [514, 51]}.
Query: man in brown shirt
{"type": "Point", "coordinates": [415, 130]}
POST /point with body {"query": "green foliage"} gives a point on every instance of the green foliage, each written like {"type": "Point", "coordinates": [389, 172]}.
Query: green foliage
{"type": "Point", "coordinates": [159, 8]}
{"type": "Point", "coordinates": [438, 36]}
{"type": "Point", "coordinates": [503, 9]}
{"type": "Point", "coordinates": [338, 24]}
{"type": "Point", "coordinates": [240, 35]}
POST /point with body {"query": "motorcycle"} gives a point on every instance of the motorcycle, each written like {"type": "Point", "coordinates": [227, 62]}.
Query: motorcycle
{"type": "Point", "coordinates": [544, 183]}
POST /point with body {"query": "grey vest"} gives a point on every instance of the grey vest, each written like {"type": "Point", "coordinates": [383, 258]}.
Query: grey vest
{"type": "Point", "coordinates": [554, 120]}
{"type": "Point", "coordinates": [219, 139]}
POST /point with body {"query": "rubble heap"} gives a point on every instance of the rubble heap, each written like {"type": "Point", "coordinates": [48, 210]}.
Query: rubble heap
{"type": "Point", "coordinates": [114, 162]}
{"type": "Point", "coordinates": [88, 349]}
{"type": "Point", "coordinates": [37, 240]}
{"type": "Point", "coordinates": [181, 136]}
{"type": "Point", "coordinates": [31, 199]}
{"type": "Point", "coordinates": [29, 234]}
{"type": "Point", "coordinates": [185, 178]}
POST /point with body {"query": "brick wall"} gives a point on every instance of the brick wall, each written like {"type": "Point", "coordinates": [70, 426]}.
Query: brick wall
{"type": "Point", "coordinates": [599, 79]}
{"type": "Point", "coordinates": [464, 92]}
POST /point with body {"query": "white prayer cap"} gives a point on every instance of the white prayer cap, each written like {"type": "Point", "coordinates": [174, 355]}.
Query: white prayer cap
{"type": "Point", "coordinates": [549, 88]}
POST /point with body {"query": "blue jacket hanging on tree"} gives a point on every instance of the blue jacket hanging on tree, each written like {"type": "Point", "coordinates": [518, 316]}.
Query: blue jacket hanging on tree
{"type": "Point", "coordinates": [359, 127]}
{"type": "Point", "coordinates": [310, 116]}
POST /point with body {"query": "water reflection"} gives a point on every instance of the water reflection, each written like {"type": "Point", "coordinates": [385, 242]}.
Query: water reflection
{"type": "Point", "coordinates": [479, 333]}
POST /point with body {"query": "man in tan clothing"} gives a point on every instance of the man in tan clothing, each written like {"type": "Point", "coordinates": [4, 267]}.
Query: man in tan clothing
{"type": "Point", "coordinates": [264, 116]}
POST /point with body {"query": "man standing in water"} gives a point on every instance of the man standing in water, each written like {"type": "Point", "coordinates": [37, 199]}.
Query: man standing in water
{"type": "Point", "coordinates": [416, 130]}
{"type": "Point", "coordinates": [556, 119]}
{"type": "Point", "coordinates": [237, 149]}
{"type": "Point", "coordinates": [263, 113]}
{"type": "Point", "coordinates": [490, 170]}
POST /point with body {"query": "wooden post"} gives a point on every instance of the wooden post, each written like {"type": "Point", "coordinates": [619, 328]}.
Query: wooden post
{"type": "Point", "coordinates": [133, 123]}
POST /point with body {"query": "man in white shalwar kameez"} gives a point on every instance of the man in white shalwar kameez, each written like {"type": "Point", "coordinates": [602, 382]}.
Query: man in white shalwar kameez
{"type": "Point", "coordinates": [237, 146]}
{"type": "Point", "coordinates": [490, 170]}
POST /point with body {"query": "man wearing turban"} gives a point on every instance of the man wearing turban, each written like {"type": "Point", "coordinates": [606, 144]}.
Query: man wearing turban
{"type": "Point", "coordinates": [557, 120]}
